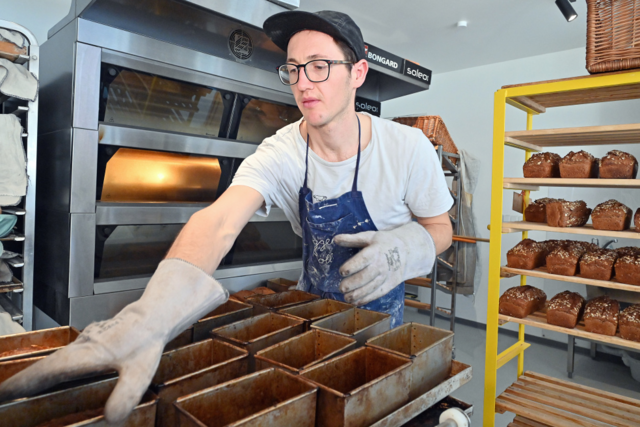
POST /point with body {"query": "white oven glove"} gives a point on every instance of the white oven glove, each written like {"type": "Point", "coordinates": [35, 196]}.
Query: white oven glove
{"type": "Point", "coordinates": [387, 259]}
{"type": "Point", "coordinates": [177, 295]}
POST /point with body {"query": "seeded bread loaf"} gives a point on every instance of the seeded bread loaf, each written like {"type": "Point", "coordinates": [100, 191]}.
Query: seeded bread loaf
{"type": "Point", "coordinates": [627, 269]}
{"type": "Point", "coordinates": [630, 323]}
{"type": "Point", "coordinates": [562, 213]}
{"type": "Point", "coordinates": [598, 264]}
{"type": "Point", "coordinates": [601, 316]}
{"type": "Point", "coordinates": [636, 220]}
{"type": "Point", "coordinates": [542, 165]}
{"type": "Point", "coordinates": [611, 215]}
{"type": "Point", "coordinates": [521, 301]}
{"type": "Point", "coordinates": [537, 210]}
{"type": "Point", "coordinates": [579, 165]}
{"type": "Point", "coordinates": [564, 259]}
{"type": "Point", "coordinates": [565, 309]}
{"type": "Point", "coordinates": [526, 255]}
{"type": "Point", "coordinates": [618, 165]}
{"type": "Point", "coordinates": [627, 250]}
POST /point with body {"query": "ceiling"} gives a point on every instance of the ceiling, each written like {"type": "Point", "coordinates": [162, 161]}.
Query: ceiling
{"type": "Point", "coordinates": [425, 31]}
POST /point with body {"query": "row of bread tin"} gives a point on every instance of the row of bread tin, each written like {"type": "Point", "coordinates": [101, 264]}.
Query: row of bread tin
{"type": "Point", "coordinates": [318, 372]}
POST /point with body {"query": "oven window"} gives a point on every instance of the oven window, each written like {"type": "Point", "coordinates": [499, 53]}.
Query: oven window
{"type": "Point", "coordinates": [134, 98]}
{"type": "Point", "coordinates": [261, 119]}
{"type": "Point", "coordinates": [264, 242]}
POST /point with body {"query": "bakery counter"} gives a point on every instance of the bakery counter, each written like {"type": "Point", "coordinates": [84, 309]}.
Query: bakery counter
{"type": "Point", "coordinates": [587, 230]}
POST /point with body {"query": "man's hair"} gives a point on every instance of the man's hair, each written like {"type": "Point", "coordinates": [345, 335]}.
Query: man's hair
{"type": "Point", "coordinates": [349, 54]}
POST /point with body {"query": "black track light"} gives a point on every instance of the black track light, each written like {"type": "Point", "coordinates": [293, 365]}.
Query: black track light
{"type": "Point", "coordinates": [567, 10]}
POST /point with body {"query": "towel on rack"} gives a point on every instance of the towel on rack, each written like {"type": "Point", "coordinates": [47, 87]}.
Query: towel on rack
{"type": "Point", "coordinates": [16, 81]}
{"type": "Point", "coordinates": [6, 275]}
{"type": "Point", "coordinates": [13, 37]}
{"type": "Point", "coordinates": [13, 163]}
{"type": "Point", "coordinates": [8, 326]}
{"type": "Point", "coordinates": [7, 222]}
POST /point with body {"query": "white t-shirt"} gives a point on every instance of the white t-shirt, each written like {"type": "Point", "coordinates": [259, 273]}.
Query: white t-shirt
{"type": "Point", "coordinates": [399, 174]}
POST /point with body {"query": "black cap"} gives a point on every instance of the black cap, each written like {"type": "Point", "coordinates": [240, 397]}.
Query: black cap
{"type": "Point", "coordinates": [282, 26]}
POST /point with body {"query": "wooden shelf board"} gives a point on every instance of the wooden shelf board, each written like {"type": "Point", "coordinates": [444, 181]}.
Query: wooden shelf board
{"type": "Point", "coordinates": [520, 183]}
{"type": "Point", "coordinates": [543, 274]}
{"type": "Point", "coordinates": [591, 135]}
{"type": "Point", "coordinates": [539, 320]}
{"type": "Point", "coordinates": [550, 401]}
{"type": "Point", "coordinates": [510, 227]}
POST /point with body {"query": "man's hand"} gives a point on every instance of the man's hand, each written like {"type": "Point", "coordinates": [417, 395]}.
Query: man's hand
{"type": "Point", "coordinates": [177, 295]}
{"type": "Point", "coordinates": [387, 259]}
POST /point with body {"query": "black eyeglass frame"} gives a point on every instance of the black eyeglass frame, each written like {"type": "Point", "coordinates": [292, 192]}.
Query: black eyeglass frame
{"type": "Point", "coordinates": [304, 66]}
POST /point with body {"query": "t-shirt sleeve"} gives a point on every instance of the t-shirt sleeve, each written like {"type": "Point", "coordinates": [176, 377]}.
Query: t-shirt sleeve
{"type": "Point", "coordinates": [262, 171]}
{"type": "Point", "coordinates": [427, 191]}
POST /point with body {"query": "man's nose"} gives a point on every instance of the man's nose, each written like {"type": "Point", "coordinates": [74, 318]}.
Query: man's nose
{"type": "Point", "coordinates": [303, 81]}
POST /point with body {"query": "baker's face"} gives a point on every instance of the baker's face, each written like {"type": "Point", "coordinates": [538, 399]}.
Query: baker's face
{"type": "Point", "coordinates": [320, 102]}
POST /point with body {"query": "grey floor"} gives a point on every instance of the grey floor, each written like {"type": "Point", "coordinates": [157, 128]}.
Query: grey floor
{"type": "Point", "coordinates": [605, 372]}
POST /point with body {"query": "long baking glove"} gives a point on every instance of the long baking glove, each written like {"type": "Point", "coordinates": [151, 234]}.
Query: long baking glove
{"type": "Point", "coordinates": [387, 259]}
{"type": "Point", "coordinates": [177, 295]}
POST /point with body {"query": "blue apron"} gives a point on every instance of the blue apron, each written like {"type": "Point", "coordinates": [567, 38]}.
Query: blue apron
{"type": "Point", "coordinates": [322, 258]}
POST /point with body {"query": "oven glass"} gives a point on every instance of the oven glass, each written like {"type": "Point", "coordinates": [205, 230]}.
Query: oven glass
{"type": "Point", "coordinates": [261, 119]}
{"type": "Point", "coordinates": [134, 98]}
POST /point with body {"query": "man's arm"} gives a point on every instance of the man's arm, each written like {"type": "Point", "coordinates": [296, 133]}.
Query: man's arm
{"type": "Point", "coordinates": [440, 229]}
{"type": "Point", "coordinates": [210, 233]}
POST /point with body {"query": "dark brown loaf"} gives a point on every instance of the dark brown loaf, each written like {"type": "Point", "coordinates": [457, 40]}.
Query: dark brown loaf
{"type": "Point", "coordinates": [611, 215]}
{"type": "Point", "coordinates": [542, 165]}
{"type": "Point", "coordinates": [526, 255]}
{"type": "Point", "coordinates": [521, 301]}
{"type": "Point", "coordinates": [579, 165]}
{"type": "Point", "coordinates": [636, 220]}
{"type": "Point", "coordinates": [627, 269]}
{"type": "Point", "coordinates": [630, 323]}
{"type": "Point", "coordinates": [564, 259]}
{"type": "Point", "coordinates": [618, 165]}
{"type": "Point", "coordinates": [627, 250]}
{"type": "Point", "coordinates": [537, 211]}
{"type": "Point", "coordinates": [598, 264]}
{"type": "Point", "coordinates": [565, 309]}
{"type": "Point", "coordinates": [562, 213]}
{"type": "Point", "coordinates": [601, 316]}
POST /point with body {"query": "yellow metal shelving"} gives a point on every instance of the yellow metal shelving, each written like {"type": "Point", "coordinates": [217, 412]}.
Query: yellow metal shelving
{"type": "Point", "coordinates": [533, 99]}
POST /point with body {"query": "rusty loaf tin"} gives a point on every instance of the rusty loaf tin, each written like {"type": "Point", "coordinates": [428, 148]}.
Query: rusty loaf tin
{"type": "Point", "coordinates": [259, 332]}
{"type": "Point", "coordinates": [37, 343]}
{"type": "Point", "coordinates": [184, 338]}
{"type": "Point", "coordinates": [229, 312]}
{"type": "Point", "coordinates": [272, 397]}
{"type": "Point", "coordinates": [192, 368]}
{"type": "Point", "coordinates": [12, 367]}
{"type": "Point", "coordinates": [355, 323]}
{"type": "Point", "coordinates": [360, 387]}
{"type": "Point", "coordinates": [265, 303]}
{"type": "Point", "coordinates": [303, 351]}
{"type": "Point", "coordinates": [281, 285]}
{"type": "Point", "coordinates": [428, 348]}
{"type": "Point", "coordinates": [78, 406]}
{"type": "Point", "coordinates": [315, 310]}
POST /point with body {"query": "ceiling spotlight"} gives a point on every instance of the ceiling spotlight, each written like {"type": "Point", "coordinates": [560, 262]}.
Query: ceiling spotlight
{"type": "Point", "coordinates": [567, 10]}
{"type": "Point", "coordinates": [462, 24]}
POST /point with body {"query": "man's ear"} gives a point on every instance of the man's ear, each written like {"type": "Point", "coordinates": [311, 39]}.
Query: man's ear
{"type": "Point", "coordinates": [359, 72]}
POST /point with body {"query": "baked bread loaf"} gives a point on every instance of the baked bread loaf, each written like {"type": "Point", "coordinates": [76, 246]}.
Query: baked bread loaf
{"type": "Point", "coordinates": [562, 213]}
{"type": "Point", "coordinates": [565, 309]}
{"type": "Point", "coordinates": [618, 165]}
{"type": "Point", "coordinates": [521, 301]}
{"type": "Point", "coordinates": [542, 165]}
{"type": "Point", "coordinates": [601, 316]}
{"type": "Point", "coordinates": [627, 250]}
{"type": "Point", "coordinates": [550, 245]}
{"type": "Point", "coordinates": [627, 269]}
{"type": "Point", "coordinates": [564, 259]}
{"type": "Point", "coordinates": [636, 220]}
{"type": "Point", "coordinates": [537, 210]}
{"type": "Point", "coordinates": [579, 165]}
{"type": "Point", "coordinates": [526, 255]}
{"type": "Point", "coordinates": [611, 215]}
{"type": "Point", "coordinates": [630, 323]}
{"type": "Point", "coordinates": [598, 264]}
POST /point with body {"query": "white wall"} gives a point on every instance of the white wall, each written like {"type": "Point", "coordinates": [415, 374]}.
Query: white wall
{"type": "Point", "coordinates": [38, 16]}
{"type": "Point", "coordinates": [464, 99]}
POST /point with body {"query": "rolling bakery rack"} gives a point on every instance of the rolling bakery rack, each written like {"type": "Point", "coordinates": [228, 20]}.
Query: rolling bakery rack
{"type": "Point", "coordinates": [538, 400]}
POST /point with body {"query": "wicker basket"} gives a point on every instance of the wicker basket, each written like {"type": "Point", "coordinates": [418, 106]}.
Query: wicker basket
{"type": "Point", "coordinates": [433, 127]}
{"type": "Point", "coordinates": [613, 35]}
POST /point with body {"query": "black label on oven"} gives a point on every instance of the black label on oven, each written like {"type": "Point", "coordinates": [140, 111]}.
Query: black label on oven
{"type": "Point", "coordinates": [368, 106]}
{"type": "Point", "coordinates": [417, 72]}
{"type": "Point", "coordinates": [383, 58]}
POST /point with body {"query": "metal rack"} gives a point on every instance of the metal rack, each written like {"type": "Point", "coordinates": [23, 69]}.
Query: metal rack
{"type": "Point", "coordinates": [17, 298]}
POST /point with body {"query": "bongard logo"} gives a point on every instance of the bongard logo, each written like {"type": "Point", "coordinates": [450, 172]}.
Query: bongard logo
{"type": "Point", "coordinates": [382, 60]}
{"type": "Point", "coordinates": [417, 73]}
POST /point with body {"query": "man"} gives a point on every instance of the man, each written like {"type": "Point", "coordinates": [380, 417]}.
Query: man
{"type": "Point", "coordinates": [349, 183]}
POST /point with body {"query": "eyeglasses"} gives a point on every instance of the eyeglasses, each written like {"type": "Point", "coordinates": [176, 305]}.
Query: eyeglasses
{"type": "Point", "coordinates": [317, 71]}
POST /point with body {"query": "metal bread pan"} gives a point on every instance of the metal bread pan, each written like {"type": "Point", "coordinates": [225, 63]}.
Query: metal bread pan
{"type": "Point", "coordinates": [229, 312]}
{"type": "Point", "coordinates": [12, 367]}
{"type": "Point", "coordinates": [360, 387]}
{"type": "Point", "coordinates": [355, 323]}
{"type": "Point", "coordinates": [281, 285]}
{"type": "Point", "coordinates": [259, 332]}
{"type": "Point", "coordinates": [272, 397]}
{"type": "Point", "coordinates": [429, 349]}
{"type": "Point", "coordinates": [78, 406]}
{"type": "Point", "coordinates": [193, 368]}
{"type": "Point", "coordinates": [315, 310]}
{"type": "Point", "coordinates": [37, 343]}
{"type": "Point", "coordinates": [303, 351]}
{"type": "Point", "coordinates": [265, 303]}
{"type": "Point", "coordinates": [185, 338]}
